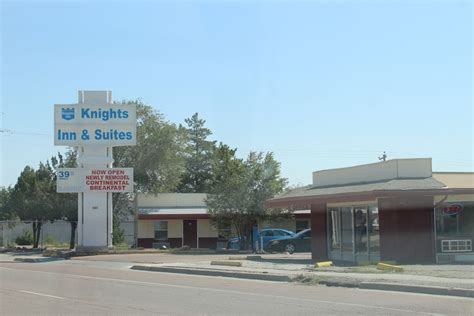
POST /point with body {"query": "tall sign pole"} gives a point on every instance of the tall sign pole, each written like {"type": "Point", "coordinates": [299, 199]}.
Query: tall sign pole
{"type": "Point", "coordinates": [94, 126]}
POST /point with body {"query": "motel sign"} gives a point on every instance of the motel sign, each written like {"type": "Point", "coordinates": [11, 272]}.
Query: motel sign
{"type": "Point", "coordinates": [94, 126]}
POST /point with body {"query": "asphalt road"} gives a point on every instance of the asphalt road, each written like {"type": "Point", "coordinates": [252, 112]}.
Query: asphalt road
{"type": "Point", "coordinates": [100, 288]}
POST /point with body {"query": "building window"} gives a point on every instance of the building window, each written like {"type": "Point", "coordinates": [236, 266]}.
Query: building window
{"type": "Point", "coordinates": [334, 229]}
{"type": "Point", "coordinates": [224, 231]}
{"type": "Point", "coordinates": [161, 230]}
{"type": "Point", "coordinates": [374, 235]}
{"type": "Point", "coordinates": [361, 240]}
{"type": "Point", "coordinates": [352, 232]}
{"type": "Point", "coordinates": [347, 229]}
{"type": "Point", "coordinates": [455, 230]}
{"type": "Point", "coordinates": [301, 225]}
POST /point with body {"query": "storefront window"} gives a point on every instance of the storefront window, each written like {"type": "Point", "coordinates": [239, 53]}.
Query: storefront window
{"type": "Point", "coordinates": [455, 227]}
{"type": "Point", "coordinates": [334, 229]}
{"type": "Point", "coordinates": [360, 230]}
{"type": "Point", "coordinates": [301, 225]}
{"type": "Point", "coordinates": [353, 233]}
{"type": "Point", "coordinates": [374, 237]}
{"type": "Point", "coordinates": [161, 230]}
{"type": "Point", "coordinates": [346, 227]}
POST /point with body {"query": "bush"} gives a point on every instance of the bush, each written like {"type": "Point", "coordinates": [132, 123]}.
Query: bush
{"type": "Point", "coordinates": [122, 246]}
{"type": "Point", "coordinates": [54, 243]}
{"type": "Point", "coordinates": [117, 232]}
{"type": "Point", "coordinates": [26, 238]}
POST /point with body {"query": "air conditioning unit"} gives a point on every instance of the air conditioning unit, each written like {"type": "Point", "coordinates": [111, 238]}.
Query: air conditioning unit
{"type": "Point", "coordinates": [456, 245]}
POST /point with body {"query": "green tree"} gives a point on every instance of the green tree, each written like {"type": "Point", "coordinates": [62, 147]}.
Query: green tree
{"type": "Point", "coordinates": [240, 189]}
{"type": "Point", "coordinates": [199, 151]}
{"type": "Point", "coordinates": [66, 203]}
{"type": "Point", "coordinates": [157, 159]}
{"type": "Point", "coordinates": [32, 198]}
{"type": "Point", "coordinates": [5, 209]}
{"type": "Point", "coordinates": [117, 232]}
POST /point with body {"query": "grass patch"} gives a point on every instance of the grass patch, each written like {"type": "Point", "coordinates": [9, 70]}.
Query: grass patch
{"type": "Point", "coordinates": [122, 246]}
{"type": "Point", "coordinates": [51, 242]}
{"type": "Point", "coordinates": [226, 263]}
{"type": "Point", "coordinates": [306, 279]}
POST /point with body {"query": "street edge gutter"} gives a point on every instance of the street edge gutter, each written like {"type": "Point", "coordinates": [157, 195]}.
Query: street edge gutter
{"type": "Point", "coordinates": [419, 289]}
{"type": "Point", "coordinates": [433, 290]}
{"type": "Point", "coordinates": [37, 260]}
{"type": "Point", "coordinates": [381, 286]}
{"type": "Point", "coordinates": [220, 273]}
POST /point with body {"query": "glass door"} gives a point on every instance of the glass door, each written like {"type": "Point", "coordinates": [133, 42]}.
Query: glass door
{"type": "Point", "coordinates": [347, 238]}
{"type": "Point", "coordinates": [374, 236]}
{"type": "Point", "coordinates": [334, 233]}
{"type": "Point", "coordinates": [361, 237]}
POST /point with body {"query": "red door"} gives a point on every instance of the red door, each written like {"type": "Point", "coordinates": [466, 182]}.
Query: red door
{"type": "Point", "coordinates": [190, 233]}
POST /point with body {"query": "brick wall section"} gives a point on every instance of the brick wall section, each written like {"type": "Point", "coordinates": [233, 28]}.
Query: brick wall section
{"type": "Point", "coordinates": [208, 242]}
{"type": "Point", "coordinates": [318, 232]}
{"type": "Point", "coordinates": [148, 242]}
{"type": "Point", "coordinates": [407, 229]}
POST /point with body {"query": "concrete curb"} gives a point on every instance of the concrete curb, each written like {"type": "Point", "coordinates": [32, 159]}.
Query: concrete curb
{"type": "Point", "coordinates": [340, 284]}
{"type": "Point", "coordinates": [36, 260]}
{"type": "Point", "coordinates": [220, 273]}
{"type": "Point", "coordinates": [383, 286]}
{"type": "Point", "coordinates": [434, 290]}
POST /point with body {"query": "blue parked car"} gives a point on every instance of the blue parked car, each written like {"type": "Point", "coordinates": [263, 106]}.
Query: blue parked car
{"type": "Point", "coordinates": [272, 233]}
{"type": "Point", "coordinates": [267, 234]}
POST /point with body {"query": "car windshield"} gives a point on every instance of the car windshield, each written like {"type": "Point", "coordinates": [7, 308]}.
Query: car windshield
{"type": "Point", "coordinates": [304, 233]}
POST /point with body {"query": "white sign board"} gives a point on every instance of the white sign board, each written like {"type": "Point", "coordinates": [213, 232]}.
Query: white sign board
{"type": "Point", "coordinates": [74, 180]}
{"type": "Point", "coordinates": [69, 180]}
{"type": "Point", "coordinates": [108, 180]}
{"type": "Point", "coordinates": [96, 124]}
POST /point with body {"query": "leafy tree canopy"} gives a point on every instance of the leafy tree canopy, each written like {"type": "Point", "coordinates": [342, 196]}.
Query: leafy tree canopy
{"type": "Point", "coordinates": [199, 151]}
{"type": "Point", "coordinates": [240, 189]}
{"type": "Point", "coordinates": [157, 158]}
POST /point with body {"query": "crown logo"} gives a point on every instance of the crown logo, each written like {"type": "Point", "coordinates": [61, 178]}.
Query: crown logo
{"type": "Point", "coordinates": [67, 113]}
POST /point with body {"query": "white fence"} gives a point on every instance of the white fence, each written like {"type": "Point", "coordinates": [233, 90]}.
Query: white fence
{"type": "Point", "coordinates": [58, 231]}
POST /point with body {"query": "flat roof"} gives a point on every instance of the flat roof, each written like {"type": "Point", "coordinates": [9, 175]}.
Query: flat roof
{"type": "Point", "coordinates": [304, 196]}
{"type": "Point", "coordinates": [394, 184]}
{"type": "Point", "coordinates": [455, 179]}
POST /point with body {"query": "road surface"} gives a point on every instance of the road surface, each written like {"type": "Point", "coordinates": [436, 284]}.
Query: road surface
{"type": "Point", "coordinates": [78, 287]}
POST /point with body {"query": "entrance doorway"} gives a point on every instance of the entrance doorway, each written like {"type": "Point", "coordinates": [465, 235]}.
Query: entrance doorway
{"type": "Point", "coordinates": [353, 233]}
{"type": "Point", "coordinates": [190, 233]}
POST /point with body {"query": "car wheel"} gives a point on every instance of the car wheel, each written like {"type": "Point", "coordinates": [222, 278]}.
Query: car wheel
{"type": "Point", "coordinates": [290, 248]}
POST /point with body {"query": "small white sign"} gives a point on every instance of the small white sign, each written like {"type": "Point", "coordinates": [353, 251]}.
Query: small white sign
{"type": "Point", "coordinates": [69, 180]}
{"type": "Point", "coordinates": [97, 124]}
{"type": "Point", "coordinates": [74, 180]}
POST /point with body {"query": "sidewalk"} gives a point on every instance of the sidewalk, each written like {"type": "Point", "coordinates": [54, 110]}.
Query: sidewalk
{"type": "Point", "coordinates": [30, 256]}
{"type": "Point", "coordinates": [457, 280]}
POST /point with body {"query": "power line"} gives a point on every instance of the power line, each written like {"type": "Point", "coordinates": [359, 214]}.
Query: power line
{"type": "Point", "coordinates": [6, 131]}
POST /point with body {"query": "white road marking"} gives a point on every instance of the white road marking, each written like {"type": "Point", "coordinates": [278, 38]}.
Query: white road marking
{"type": "Point", "coordinates": [41, 294]}
{"type": "Point", "coordinates": [227, 291]}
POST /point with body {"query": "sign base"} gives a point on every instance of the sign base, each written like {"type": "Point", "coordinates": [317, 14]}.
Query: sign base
{"type": "Point", "coordinates": [86, 250]}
